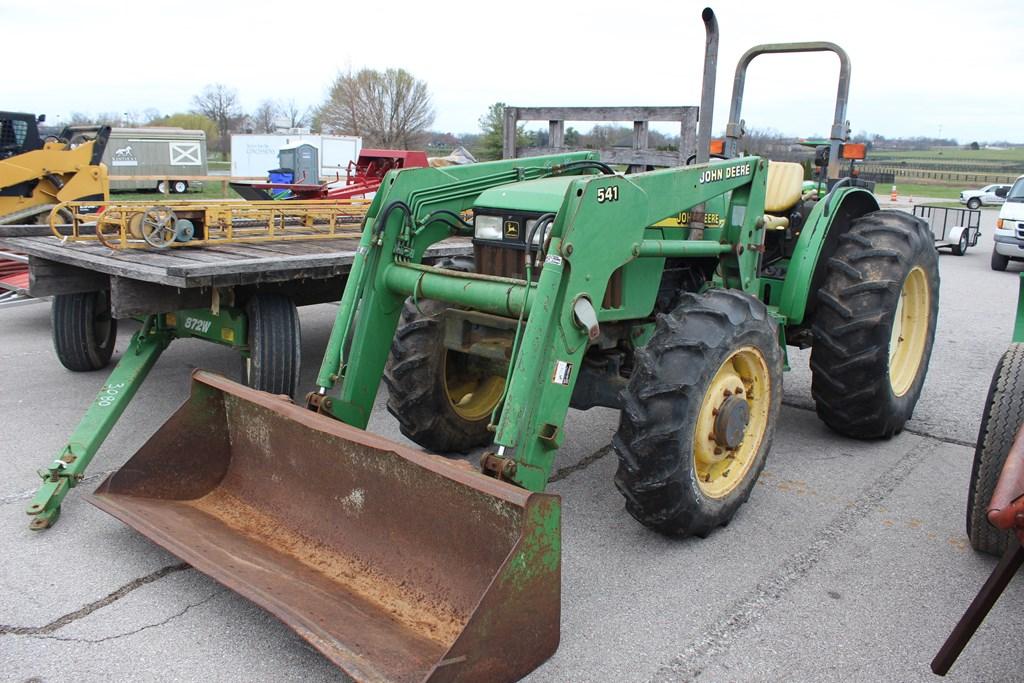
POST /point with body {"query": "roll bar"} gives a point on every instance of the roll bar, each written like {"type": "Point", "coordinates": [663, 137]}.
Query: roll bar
{"type": "Point", "coordinates": [734, 129]}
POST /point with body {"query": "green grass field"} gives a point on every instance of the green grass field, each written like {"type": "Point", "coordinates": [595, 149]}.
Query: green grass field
{"type": "Point", "coordinates": [953, 155]}
{"type": "Point", "coordinates": [210, 191]}
{"type": "Point", "coordinates": [908, 190]}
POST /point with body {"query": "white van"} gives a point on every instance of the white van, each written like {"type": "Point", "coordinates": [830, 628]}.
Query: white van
{"type": "Point", "coordinates": [1009, 234]}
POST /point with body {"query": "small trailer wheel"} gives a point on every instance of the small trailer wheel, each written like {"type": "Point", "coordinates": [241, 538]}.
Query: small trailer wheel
{"type": "Point", "coordinates": [1002, 417]}
{"type": "Point", "coordinates": [179, 187]}
{"type": "Point", "coordinates": [84, 331]}
{"type": "Point", "coordinates": [274, 345]}
{"type": "Point", "coordinates": [960, 248]}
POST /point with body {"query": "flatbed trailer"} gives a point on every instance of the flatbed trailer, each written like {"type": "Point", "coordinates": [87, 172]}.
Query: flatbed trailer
{"type": "Point", "coordinates": [142, 283]}
{"type": "Point", "coordinates": [243, 296]}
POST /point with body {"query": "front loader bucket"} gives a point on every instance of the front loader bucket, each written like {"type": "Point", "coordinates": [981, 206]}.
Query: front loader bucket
{"type": "Point", "coordinates": [397, 565]}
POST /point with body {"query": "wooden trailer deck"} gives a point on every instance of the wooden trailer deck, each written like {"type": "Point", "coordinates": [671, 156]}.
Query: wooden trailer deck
{"type": "Point", "coordinates": [143, 282]}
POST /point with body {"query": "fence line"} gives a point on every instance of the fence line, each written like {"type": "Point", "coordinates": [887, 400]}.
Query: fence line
{"type": "Point", "coordinates": [922, 174]}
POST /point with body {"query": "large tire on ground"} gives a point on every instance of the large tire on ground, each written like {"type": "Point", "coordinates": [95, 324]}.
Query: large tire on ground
{"type": "Point", "coordinates": [699, 413]}
{"type": "Point", "coordinates": [973, 203]}
{"type": "Point", "coordinates": [999, 262]}
{"type": "Point", "coordinates": [1002, 417]}
{"type": "Point", "coordinates": [84, 331]}
{"type": "Point", "coordinates": [874, 325]}
{"type": "Point", "coordinates": [442, 399]}
{"type": "Point", "coordinates": [275, 345]}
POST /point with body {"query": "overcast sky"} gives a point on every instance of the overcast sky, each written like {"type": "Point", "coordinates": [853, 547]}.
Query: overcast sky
{"type": "Point", "coordinates": [919, 67]}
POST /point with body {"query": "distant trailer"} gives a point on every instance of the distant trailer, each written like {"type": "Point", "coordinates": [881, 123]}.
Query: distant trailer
{"type": "Point", "coordinates": [956, 229]}
{"type": "Point", "coordinates": [257, 155]}
{"type": "Point", "coordinates": [155, 152]}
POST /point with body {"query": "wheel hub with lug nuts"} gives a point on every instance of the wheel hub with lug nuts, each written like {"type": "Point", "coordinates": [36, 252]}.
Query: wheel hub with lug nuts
{"type": "Point", "coordinates": [731, 423]}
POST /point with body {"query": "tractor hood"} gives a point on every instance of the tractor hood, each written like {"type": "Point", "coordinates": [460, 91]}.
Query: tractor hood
{"type": "Point", "coordinates": [531, 196]}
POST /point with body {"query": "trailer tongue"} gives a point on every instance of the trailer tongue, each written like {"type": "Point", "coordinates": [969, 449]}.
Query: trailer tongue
{"type": "Point", "coordinates": [456, 576]}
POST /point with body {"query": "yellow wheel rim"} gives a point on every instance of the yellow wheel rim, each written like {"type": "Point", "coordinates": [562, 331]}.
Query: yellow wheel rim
{"type": "Point", "coordinates": [725, 445]}
{"type": "Point", "coordinates": [909, 331]}
{"type": "Point", "coordinates": [471, 394]}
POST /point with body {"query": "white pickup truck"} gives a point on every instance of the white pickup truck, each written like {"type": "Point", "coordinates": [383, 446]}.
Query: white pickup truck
{"type": "Point", "coordinates": [1009, 235]}
{"type": "Point", "coordinates": [986, 196]}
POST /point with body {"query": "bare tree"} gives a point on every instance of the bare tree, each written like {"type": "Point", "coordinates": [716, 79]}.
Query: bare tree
{"type": "Point", "coordinates": [386, 109]}
{"type": "Point", "coordinates": [264, 117]}
{"type": "Point", "coordinates": [297, 118]}
{"type": "Point", "coordinates": [220, 103]}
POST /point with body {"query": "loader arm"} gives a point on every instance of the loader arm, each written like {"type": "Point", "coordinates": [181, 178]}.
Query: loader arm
{"type": "Point", "coordinates": [602, 225]}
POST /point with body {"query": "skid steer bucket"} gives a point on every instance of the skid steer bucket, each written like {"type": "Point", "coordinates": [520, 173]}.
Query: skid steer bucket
{"type": "Point", "coordinates": [397, 565]}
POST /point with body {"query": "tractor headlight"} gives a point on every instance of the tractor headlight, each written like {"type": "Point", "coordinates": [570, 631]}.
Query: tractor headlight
{"type": "Point", "coordinates": [487, 227]}
{"type": "Point", "coordinates": [530, 224]}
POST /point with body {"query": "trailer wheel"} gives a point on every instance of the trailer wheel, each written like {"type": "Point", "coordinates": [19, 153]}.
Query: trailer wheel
{"type": "Point", "coordinates": [84, 331]}
{"type": "Point", "coordinates": [161, 187]}
{"type": "Point", "coordinates": [874, 325]}
{"type": "Point", "coordinates": [274, 345]}
{"type": "Point", "coordinates": [1002, 417]}
{"type": "Point", "coordinates": [999, 262]}
{"type": "Point", "coordinates": [442, 399]}
{"type": "Point", "coordinates": [960, 248]}
{"type": "Point", "coordinates": [179, 187]}
{"type": "Point", "coordinates": [699, 413]}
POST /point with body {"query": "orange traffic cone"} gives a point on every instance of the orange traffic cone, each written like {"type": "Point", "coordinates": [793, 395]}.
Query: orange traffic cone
{"type": "Point", "coordinates": [894, 195]}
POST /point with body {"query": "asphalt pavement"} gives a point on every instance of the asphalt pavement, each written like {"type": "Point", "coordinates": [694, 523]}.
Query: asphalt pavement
{"type": "Point", "coordinates": [849, 562]}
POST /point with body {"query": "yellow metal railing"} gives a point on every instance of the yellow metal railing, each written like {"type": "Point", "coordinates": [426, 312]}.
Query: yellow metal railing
{"type": "Point", "coordinates": [177, 224]}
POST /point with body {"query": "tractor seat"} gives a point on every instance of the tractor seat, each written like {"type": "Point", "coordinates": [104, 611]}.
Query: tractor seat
{"type": "Point", "coordinates": [784, 186]}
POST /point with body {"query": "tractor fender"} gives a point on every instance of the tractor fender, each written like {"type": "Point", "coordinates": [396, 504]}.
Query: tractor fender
{"type": "Point", "coordinates": [818, 240]}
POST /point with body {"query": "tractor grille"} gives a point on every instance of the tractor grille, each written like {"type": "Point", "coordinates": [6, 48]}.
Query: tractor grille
{"type": "Point", "coordinates": [506, 262]}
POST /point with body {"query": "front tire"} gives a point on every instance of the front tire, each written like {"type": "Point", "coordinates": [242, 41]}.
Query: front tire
{"type": "Point", "coordinates": [84, 331]}
{"type": "Point", "coordinates": [974, 203]}
{"type": "Point", "coordinates": [1002, 417]}
{"type": "Point", "coordinates": [874, 325]}
{"type": "Point", "coordinates": [999, 262]}
{"type": "Point", "coordinates": [442, 399]}
{"type": "Point", "coordinates": [699, 413]}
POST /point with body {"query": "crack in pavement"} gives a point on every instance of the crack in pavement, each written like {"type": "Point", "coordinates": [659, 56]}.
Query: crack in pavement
{"type": "Point", "coordinates": [85, 611]}
{"type": "Point", "coordinates": [908, 430]}
{"type": "Point", "coordinates": [748, 609]}
{"type": "Point", "coordinates": [25, 495]}
{"type": "Point", "coordinates": [583, 464]}
{"type": "Point", "coordinates": [163, 622]}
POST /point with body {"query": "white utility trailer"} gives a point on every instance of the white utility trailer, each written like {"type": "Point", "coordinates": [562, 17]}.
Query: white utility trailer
{"type": "Point", "coordinates": [955, 228]}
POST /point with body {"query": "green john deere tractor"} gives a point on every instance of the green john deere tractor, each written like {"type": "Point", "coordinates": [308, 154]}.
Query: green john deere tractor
{"type": "Point", "coordinates": [671, 295]}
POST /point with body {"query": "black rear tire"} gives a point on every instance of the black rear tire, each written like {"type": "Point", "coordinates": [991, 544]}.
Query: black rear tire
{"type": "Point", "coordinates": [999, 262]}
{"type": "Point", "coordinates": [275, 345]}
{"type": "Point", "coordinates": [885, 257]}
{"type": "Point", "coordinates": [1002, 417]}
{"type": "Point", "coordinates": [417, 375]}
{"type": "Point", "coordinates": [675, 380]}
{"type": "Point", "coordinates": [84, 331]}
